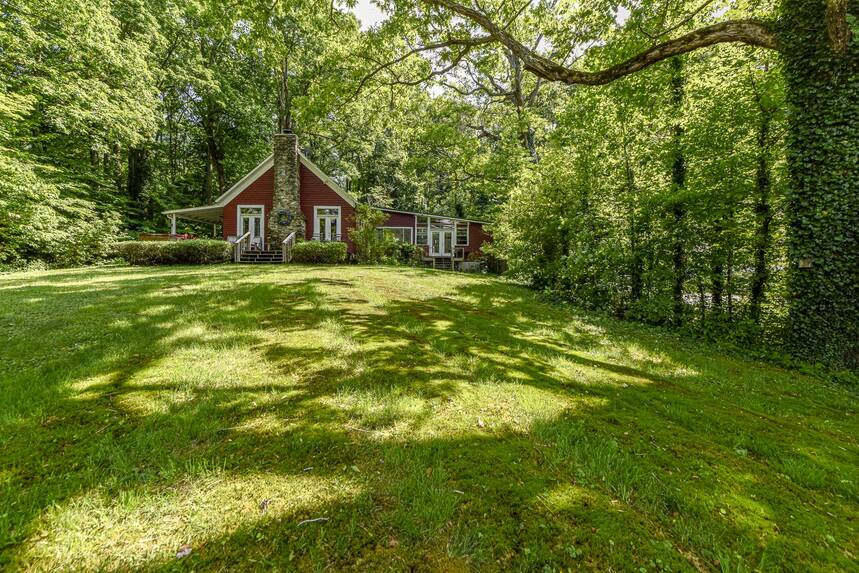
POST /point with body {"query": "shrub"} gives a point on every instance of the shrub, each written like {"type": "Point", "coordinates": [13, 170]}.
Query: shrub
{"type": "Point", "coordinates": [192, 252]}
{"type": "Point", "coordinates": [333, 252]}
{"type": "Point", "coordinates": [374, 245]}
{"type": "Point", "coordinates": [369, 245]}
{"type": "Point", "coordinates": [409, 254]}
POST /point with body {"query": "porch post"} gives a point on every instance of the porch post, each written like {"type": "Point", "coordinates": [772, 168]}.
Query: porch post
{"type": "Point", "coordinates": [173, 224]}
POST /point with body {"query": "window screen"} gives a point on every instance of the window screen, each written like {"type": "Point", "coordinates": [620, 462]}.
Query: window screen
{"type": "Point", "coordinates": [402, 234]}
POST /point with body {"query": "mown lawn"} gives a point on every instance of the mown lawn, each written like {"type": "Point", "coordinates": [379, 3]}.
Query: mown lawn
{"type": "Point", "coordinates": [425, 420]}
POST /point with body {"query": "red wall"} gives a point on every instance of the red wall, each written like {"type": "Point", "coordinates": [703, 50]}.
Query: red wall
{"type": "Point", "coordinates": [315, 192]}
{"type": "Point", "coordinates": [258, 193]}
{"type": "Point", "coordinates": [400, 220]}
{"type": "Point", "coordinates": [476, 237]}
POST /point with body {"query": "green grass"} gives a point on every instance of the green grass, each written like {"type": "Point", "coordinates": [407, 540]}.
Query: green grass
{"type": "Point", "coordinates": [436, 421]}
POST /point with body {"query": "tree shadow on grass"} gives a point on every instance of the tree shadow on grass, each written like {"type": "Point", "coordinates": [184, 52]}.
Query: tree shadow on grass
{"type": "Point", "coordinates": [477, 426]}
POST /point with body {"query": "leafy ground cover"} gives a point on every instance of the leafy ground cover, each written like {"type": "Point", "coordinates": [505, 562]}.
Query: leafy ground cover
{"type": "Point", "coordinates": [357, 418]}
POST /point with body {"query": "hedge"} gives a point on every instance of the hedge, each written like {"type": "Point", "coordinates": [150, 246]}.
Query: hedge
{"type": "Point", "coordinates": [191, 252]}
{"type": "Point", "coordinates": [318, 252]}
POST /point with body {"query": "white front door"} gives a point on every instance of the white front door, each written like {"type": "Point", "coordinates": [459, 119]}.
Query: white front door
{"type": "Point", "coordinates": [441, 243]}
{"type": "Point", "coordinates": [250, 221]}
{"type": "Point", "coordinates": [327, 226]}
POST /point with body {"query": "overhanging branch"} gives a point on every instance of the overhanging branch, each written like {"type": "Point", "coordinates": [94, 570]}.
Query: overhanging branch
{"type": "Point", "coordinates": [466, 43]}
{"type": "Point", "coordinates": [738, 31]}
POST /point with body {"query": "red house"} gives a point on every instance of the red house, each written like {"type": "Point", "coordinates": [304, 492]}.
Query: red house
{"type": "Point", "coordinates": [288, 197]}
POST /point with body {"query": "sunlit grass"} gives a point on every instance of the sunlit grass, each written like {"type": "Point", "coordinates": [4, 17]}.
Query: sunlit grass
{"type": "Point", "coordinates": [197, 418]}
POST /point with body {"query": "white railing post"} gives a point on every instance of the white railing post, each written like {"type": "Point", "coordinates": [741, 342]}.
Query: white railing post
{"type": "Point", "coordinates": [287, 245]}
{"type": "Point", "coordinates": [237, 251]}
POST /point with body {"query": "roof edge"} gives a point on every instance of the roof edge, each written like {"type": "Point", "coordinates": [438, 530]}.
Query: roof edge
{"type": "Point", "coordinates": [326, 179]}
{"type": "Point", "coordinates": [387, 210]}
{"type": "Point", "coordinates": [245, 181]}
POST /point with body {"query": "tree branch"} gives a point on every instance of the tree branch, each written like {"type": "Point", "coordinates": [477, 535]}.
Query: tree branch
{"type": "Point", "coordinates": [742, 31]}
{"type": "Point", "coordinates": [466, 43]}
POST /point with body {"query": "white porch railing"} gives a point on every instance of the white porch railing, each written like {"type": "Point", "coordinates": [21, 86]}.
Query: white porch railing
{"type": "Point", "coordinates": [323, 238]}
{"type": "Point", "coordinates": [239, 246]}
{"type": "Point", "coordinates": [287, 245]}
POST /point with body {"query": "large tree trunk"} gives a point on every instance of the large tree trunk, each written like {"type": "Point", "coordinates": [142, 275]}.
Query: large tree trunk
{"type": "Point", "coordinates": [138, 171]}
{"type": "Point", "coordinates": [214, 152]}
{"type": "Point", "coordinates": [822, 72]}
{"type": "Point", "coordinates": [284, 98]}
{"type": "Point", "coordinates": [678, 182]}
{"type": "Point", "coordinates": [517, 98]}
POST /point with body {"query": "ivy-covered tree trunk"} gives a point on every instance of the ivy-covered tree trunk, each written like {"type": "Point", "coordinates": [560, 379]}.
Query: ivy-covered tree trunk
{"type": "Point", "coordinates": [821, 55]}
{"type": "Point", "coordinates": [717, 266]}
{"type": "Point", "coordinates": [763, 217]}
{"type": "Point", "coordinates": [678, 183]}
{"type": "Point", "coordinates": [636, 261]}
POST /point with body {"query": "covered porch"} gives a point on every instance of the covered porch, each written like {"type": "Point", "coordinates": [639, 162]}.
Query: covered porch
{"type": "Point", "coordinates": [445, 239]}
{"type": "Point", "coordinates": [208, 214]}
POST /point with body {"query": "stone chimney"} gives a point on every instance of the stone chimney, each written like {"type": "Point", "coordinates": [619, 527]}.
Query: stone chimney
{"type": "Point", "coordinates": [286, 215]}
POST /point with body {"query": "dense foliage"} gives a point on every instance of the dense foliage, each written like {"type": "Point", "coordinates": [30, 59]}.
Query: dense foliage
{"type": "Point", "coordinates": [374, 245]}
{"type": "Point", "coordinates": [715, 189]}
{"type": "Point", "coordinates": [191, 252]}
{"type": "Point", "coordinates": [596, 220]}
{"type": "Point", "coordinates": [370, 247]}
{"type": "Point", "coordinates": [331, 253]}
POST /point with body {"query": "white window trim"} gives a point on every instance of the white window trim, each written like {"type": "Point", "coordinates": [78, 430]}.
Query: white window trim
{"type": "Point", "coordinates": [316, 219]}
{"type": "Point", "coordinates": [467, 236]}
{"type": "Point", "coordinates": [239, 227]}
{"type": "Point", "coordinates": [426, 228]}
{"type": "Point", "coordinates": [411, 231]}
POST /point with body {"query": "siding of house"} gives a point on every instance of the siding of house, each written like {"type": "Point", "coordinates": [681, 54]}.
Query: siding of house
{"type": "Point", "coordinates": [258, 193]}
{"type": "Point", "coordinates": [399, 220]}
{"type": "Point", "coordinates": [315, 192]}
{"type": "Point", "coordinates": [477, 235]}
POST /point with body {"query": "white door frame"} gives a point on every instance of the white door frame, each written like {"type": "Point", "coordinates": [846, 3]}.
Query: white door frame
{"type": "Point", "coordinates": [240, 224]}
{"type": "Point", "coordinates": [445, 242]}
{"type": "Point", "coordinates": [328, 218]}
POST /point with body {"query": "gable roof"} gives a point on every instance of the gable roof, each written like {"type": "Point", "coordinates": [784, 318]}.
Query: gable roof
{"type": "Point", "coordinates": [267, 164]}
{"type": "Point", "coordinates": [206, 212]}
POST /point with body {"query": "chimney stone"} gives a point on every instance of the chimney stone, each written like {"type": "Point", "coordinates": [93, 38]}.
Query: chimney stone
{"type": "Point", "coordinates": [286, 215]}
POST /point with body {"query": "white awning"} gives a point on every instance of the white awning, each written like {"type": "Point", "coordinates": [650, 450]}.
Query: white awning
{"type": "Point", "coordinates": [205, 214]}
